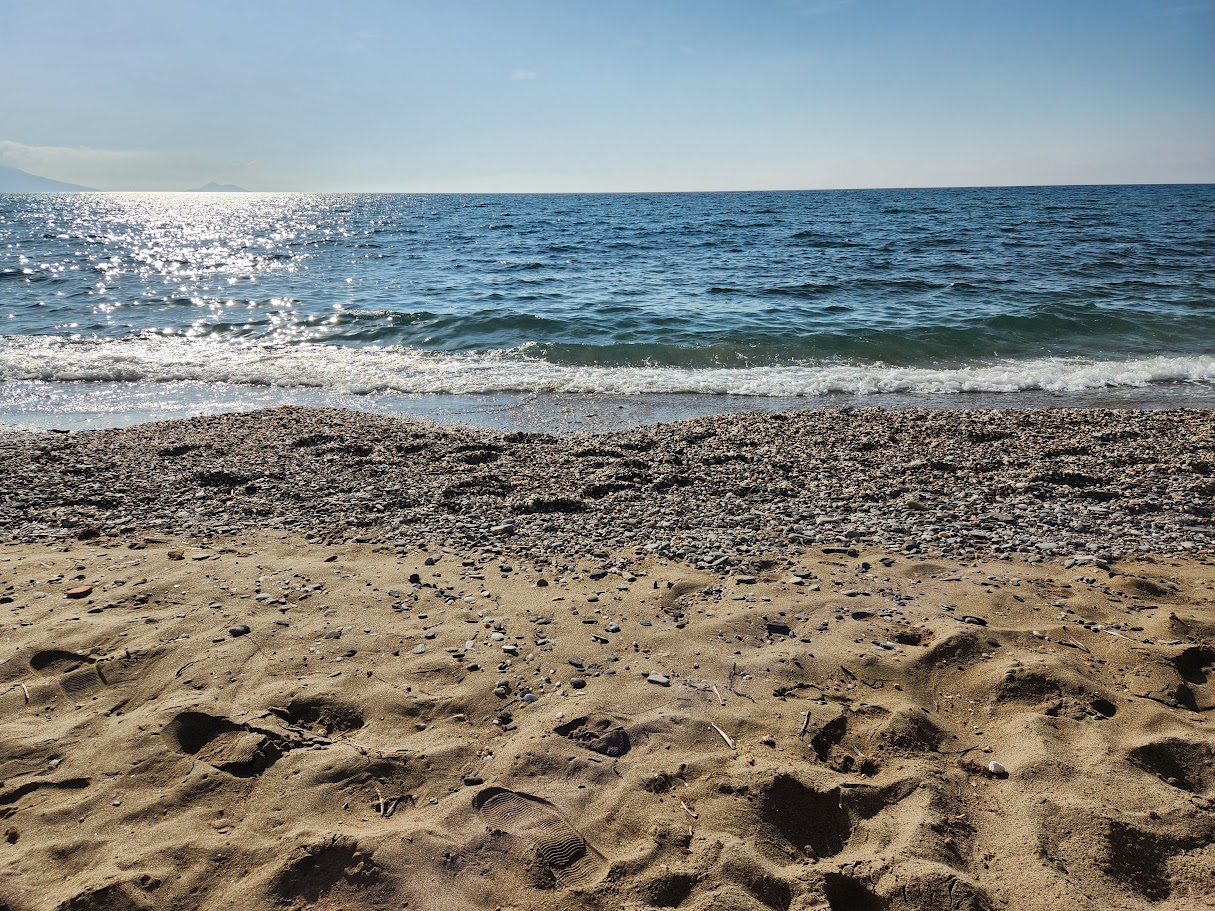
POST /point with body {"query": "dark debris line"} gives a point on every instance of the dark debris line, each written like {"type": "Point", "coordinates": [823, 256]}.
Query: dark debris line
{"type": "Point", "coordinates": [725, 492]}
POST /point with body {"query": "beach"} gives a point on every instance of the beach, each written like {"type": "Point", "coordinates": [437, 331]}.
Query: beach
{"type": "Point", "coordinates": [825, 659]}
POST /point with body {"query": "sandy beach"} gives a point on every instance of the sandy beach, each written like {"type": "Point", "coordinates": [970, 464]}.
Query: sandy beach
{"type": "Point", "coordinates": [817, 660]}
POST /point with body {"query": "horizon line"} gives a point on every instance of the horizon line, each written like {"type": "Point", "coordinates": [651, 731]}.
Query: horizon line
{"type": "Point", "coordinates": [994, 186]}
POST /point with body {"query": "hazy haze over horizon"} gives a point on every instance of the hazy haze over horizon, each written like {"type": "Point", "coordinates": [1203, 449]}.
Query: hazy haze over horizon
{"type": "Point", "coordinates": [547, 96]}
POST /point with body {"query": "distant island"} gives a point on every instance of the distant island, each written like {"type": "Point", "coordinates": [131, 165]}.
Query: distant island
{"type": "Point", "coordinates": [14, 180]}
{"type": "Point", "coordinates": [214, 187]}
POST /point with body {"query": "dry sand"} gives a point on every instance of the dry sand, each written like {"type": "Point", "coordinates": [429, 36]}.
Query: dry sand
{"type": "Point", "coordinates": [824, 740]}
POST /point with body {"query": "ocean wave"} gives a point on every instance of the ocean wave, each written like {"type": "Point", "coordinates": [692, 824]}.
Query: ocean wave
{"type": "Point", "coordinates": [354, 371]}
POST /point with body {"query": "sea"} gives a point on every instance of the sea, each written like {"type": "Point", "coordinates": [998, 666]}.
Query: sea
{"type": "Point", "coordinates": [591, 312]}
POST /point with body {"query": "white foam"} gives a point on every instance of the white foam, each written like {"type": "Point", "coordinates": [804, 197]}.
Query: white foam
{"type": "Point", "coordinates": [346, 371]}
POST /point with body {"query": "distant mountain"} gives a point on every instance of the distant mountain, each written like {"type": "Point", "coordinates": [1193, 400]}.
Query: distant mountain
{"type": "Point", "coordinates": [13, 180]}
{"type": "Point", "coordinates": [214, 187]}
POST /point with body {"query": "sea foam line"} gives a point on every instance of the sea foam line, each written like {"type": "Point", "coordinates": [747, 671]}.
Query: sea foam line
{"type": "Point", "coordinates": [344, 370]}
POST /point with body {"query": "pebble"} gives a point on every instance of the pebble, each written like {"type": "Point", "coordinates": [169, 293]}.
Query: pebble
{"type": "Point", "coordinates": [239, 630]}
{"type": "Point", "coordinates": [419, 649]}
{"type": "Point", "coordinates": [659, 679]}
{"type": "Point", "coordinates": [995, 768]}
{"type": "Point", "coordinates": [689, 521]}
{"type": "Point", "coordinates": [577, 683]}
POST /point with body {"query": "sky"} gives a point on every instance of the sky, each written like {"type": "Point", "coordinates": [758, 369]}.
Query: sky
{"type": "Point", "coordinates": [607, 95]}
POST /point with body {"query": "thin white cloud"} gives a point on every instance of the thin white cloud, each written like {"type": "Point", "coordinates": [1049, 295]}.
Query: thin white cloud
{"type": "Point", "coordinates": [31, 157]}
{"type": "Point", "coordinates": [523, 75]}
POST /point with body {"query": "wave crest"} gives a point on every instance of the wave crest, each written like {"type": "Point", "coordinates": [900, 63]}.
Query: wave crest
{"type": "Point", "coordinates": [345, 370]}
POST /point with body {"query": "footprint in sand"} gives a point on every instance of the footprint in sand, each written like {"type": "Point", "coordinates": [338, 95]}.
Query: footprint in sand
{"type": "Point", "coordinates": [599, 735]}
{"type": "Point", "coordinates": [223, 743]}
{"type": "Point", "coordinates": [558, 845]}
{"type": "Point", "coordinates": [76, 674]}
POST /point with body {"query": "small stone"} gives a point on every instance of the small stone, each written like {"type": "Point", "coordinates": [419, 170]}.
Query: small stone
{"type": "Point", "coordinates": [239, 630]}
{"type": "Point", "coordinates": [81, 591]}
{"type": "Point", "coordinates": [419, 649]}
{"type": "Point", "coordinates": [334, 633]}
{"type": "Point", "coordinates": [658, 679]}
{"type": "Point", "coordinates": [530, 697]}
{"type": "Point", "coordinates": [500, 692]}
{"type": "Point", "coordinates": [577, 683]}
{"type": "Point", "coordinates": [473, 780]}
{"type": "Point", "coordinates": [994, 768]}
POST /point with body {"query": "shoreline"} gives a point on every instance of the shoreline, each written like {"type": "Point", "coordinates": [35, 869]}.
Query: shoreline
{"type": "Point", "coordinates": [94, 405]}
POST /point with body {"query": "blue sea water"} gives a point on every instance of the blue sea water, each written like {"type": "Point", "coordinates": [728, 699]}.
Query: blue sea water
{"type": "Point", "coordinates": [117, 307]}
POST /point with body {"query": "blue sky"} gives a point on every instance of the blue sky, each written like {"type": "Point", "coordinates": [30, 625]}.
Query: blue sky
{"type": "Point", "coordinates": [589, 95]}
